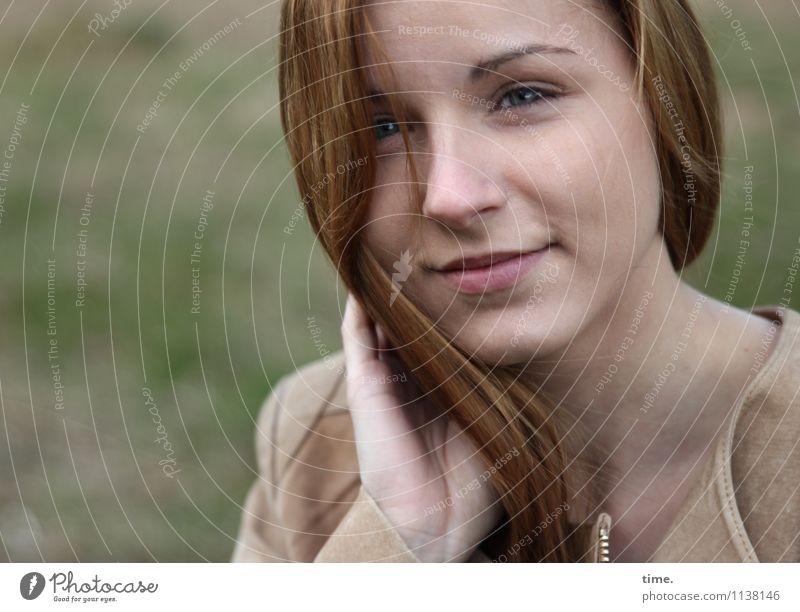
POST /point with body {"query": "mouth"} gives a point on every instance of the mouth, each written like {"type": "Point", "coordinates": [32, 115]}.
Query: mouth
{"type": "Point", "coordinates": [490, 272]}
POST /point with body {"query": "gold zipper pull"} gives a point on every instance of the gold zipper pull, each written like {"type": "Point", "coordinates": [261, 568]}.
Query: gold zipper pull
{"type": "Point", "coordinates": [602, 533]}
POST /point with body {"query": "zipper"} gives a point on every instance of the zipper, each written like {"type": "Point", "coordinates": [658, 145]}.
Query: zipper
{"type": "Point", "coordinates": [602, 533]}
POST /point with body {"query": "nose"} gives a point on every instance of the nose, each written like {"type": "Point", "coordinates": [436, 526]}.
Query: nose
{"type": "Point", "coordinates": [460, 184]}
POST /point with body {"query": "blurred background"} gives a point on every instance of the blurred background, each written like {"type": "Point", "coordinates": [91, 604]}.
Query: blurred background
{"type": "Point", "coordinates": [156, 279]}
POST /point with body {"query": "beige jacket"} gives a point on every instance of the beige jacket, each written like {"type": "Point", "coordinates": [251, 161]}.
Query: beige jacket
{"type": "Point", "coordinates": [307, 503]}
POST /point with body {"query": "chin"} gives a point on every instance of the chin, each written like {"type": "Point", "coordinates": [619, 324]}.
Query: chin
{"type": "Point", "coordinates": [504, 345]}
{"type": "Point", "coordinates": [511, 332]}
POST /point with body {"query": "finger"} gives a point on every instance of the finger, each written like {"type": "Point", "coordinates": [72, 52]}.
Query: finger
{"type": "Point", "coordinates": [386, 352]}
{"type": "Point", "coordinates": [383, 341]}
{"type": "Point", "coordinates": [376, 417]}
{"type": "Point", "coordinates": [358, 336]}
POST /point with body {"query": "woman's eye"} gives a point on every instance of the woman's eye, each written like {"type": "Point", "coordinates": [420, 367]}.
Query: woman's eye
{"type": "Point", "coordinates": [385, 128]}
{"type": "Point", "coordinates": [522, 96]}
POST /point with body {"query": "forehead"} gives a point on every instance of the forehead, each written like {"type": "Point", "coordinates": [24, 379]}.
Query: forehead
{"type": "Point", "coordinates": [429, 32]}
{"type": "Point", "coordinates": [413, 27]}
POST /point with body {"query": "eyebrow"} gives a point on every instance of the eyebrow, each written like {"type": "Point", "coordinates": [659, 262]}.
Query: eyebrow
{"type": "Point", "coordinates": [485, 67]}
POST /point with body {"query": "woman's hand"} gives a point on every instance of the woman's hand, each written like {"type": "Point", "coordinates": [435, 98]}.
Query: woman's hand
{"type": "Point", "coordinates": [423, 472]}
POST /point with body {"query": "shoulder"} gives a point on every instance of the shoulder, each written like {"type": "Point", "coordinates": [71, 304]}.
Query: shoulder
{"type": "Point", "coordinates": [765, 449]}
{"type": "Point", "coordinates": [295, 402]}
{"type": "Point", "coordinates": [305, 447]}
{"type": "Point", "coordinates": [300, 405]}
{"type": "Point", "coordinates": [774, 390]}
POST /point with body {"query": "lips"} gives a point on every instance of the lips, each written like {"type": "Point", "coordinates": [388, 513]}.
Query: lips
{"type": "Point", "coordinates": [471, 263]}
{"type": "Point", "coordinates": [491, 272]}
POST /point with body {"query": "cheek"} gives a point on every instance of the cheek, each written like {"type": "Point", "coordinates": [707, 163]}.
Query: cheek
{"type": "Point", "coordinates": [628, 209]}
{"type": "Point", "coordinates": [388, 224]}
{"type": "Point", "coordinates": [608, 210]}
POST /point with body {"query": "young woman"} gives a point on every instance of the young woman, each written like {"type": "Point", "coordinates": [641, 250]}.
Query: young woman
{"type": "Point", "coordinates": [512, 191]}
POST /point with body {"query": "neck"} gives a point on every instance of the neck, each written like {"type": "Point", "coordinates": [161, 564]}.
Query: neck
{"type": "Point", "coordinates": [652, 380]}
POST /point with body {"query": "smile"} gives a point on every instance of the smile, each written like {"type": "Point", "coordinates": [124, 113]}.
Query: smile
{"type": "Point", "coordinates": [503, 272]}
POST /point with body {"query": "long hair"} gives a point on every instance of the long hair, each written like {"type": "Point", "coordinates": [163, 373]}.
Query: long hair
{"type": "Point", "coordinates": [327, 122]}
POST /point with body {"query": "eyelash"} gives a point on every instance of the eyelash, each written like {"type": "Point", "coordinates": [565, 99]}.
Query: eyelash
{"type": "Point", "coordinates": [541, 94]}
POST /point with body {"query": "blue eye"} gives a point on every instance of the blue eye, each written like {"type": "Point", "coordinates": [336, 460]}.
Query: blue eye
{"type": "Point", "coordinates": [522, 96]}
{"type": "Point", "coordinates": [385, 128]}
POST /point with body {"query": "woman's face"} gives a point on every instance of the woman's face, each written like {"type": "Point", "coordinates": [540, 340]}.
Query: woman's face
{"type": "Point", "coordinates": [527, 140]}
